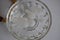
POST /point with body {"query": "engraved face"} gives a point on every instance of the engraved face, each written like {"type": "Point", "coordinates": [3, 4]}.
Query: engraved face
{"type": "Point", "coordinates": [29, 20]}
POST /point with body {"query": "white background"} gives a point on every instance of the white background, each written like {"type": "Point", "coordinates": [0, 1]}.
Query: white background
{"type": "Point", "coordinates": [53, 34]}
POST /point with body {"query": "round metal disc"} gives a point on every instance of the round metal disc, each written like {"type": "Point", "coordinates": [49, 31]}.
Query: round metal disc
{"type": "Point", "coordinates": [29, 20]}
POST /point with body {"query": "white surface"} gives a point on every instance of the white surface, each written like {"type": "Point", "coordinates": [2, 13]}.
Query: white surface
{"type": "Point", "coordinates": [53, 34]}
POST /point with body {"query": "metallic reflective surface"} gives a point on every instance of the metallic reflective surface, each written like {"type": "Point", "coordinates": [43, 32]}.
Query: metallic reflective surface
{"type": "Point", "coordinates": [54, 32]}
{"type": "Point", "coordinates": [29, 20]}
